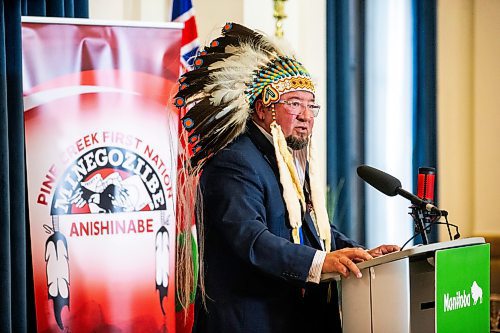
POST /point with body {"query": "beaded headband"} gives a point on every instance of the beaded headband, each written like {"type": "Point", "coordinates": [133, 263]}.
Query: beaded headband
{"type": "Point", "coordinates": [283, 75]}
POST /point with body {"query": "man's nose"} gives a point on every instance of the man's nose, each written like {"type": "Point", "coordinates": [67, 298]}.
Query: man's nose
{"type": "Point", "coordinates": [306, 114]}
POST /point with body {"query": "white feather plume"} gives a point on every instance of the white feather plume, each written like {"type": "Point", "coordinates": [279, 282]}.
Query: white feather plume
{"type": "Point", "coordinates": [162, 252]}
{"type": "Point", "coordinates": [318, 199]}
{"type": "Point", "coordinates": [56, 256]}
{"type": "Point", "coordinates": [294, 199]}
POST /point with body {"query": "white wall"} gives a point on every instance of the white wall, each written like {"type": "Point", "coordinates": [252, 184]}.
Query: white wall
{"type": "Point", "coordinates": [486, 117]}
{"type": "Point", "coordinates": [211, 15]}
{"type": "Point", "coordinates": [130, 10]}
{"type": "Point", "coordinates": [469, 114]}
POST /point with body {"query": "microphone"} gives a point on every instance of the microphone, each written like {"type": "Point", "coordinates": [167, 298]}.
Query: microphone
{"type": "Point", "coordinates": [391, 186]}
{"type": "Point", "coordinates": [425, 184]}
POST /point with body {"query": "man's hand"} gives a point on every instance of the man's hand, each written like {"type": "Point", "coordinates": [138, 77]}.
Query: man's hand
{"type": "Point", "coordinates": [383, 249]}
{"type": "Point", "coordinates": [342, 261]}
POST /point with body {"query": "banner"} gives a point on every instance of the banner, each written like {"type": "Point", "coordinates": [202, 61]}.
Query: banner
{"type": "Point", "coordinates": [101, 151]}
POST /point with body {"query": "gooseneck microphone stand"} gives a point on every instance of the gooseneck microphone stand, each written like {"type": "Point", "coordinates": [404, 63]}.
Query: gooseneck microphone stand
{"type": "Point", "coordinates": [420, 217]}
{"type": "Point", "coordinates": [424, 219]}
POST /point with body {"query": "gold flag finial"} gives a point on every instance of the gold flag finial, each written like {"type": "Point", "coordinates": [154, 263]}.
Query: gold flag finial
{"type": "Point", "coordinates": [279, 15]}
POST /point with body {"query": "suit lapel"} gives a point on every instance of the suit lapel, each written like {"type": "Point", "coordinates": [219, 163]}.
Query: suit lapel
{"type": "Point", "coordinates": [264, 145]}
{"type": "Point", "coordinates": [309, 224]}
{"type": "Point", "coordinates": [307, 220]}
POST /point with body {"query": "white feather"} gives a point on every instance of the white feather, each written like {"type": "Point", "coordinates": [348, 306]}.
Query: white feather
{"type": "Point", "coordinates": [56, 256]}
{"type": "Point", "coordinates": [222, 113]}
{"type": "Point", "coordinates": [162, 259]}
{"type": "Point", "coordinates": [224, 95]}
{"type": "Point", "coordinates": [247, 58]}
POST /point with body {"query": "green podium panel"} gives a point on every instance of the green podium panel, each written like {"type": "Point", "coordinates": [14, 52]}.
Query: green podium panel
{"type": "Point", "coordinates": [463, 289]}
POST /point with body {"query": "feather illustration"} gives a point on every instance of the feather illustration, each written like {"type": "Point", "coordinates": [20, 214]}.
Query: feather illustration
{"type": "Point", "coordinates": [57, 260]}
{"type": "Point", "coordinates": [162, 252]}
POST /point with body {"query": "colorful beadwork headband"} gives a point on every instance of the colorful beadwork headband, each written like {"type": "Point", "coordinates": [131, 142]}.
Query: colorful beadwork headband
{"type": "Point", "coordinates": [281, 76]}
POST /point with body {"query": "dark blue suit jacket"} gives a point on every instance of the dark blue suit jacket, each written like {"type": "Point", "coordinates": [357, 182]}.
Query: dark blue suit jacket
{"type": "Point", "coordinates": [255, 277]}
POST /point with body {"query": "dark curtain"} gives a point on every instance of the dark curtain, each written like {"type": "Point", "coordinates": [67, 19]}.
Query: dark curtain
{"type": "Point", "coordinates": [56, 8]}
{"type": "Point", "coordinates": [424, 92]}
{"type": "Point", "coordinates": [17, 311]}
{"type": "Point", "coordinates": [345, 118]}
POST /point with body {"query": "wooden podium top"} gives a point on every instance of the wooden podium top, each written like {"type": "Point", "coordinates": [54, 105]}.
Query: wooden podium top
{"type": "Point", "coordinates": [414, 251]}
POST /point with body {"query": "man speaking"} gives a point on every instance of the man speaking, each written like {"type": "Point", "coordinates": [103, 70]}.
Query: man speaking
{"type": "Point", "coordinates": [261, 212]}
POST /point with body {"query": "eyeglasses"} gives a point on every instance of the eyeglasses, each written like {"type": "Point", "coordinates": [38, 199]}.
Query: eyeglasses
{"type": "Point", "coordinates": [296, 108]}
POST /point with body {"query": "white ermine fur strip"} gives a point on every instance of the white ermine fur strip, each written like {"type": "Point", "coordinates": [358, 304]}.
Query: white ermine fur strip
{"type": "Point", "coordinates": [290, 194]}
{"type": "Point", "coordinates": [288, 158]}
{"type": "Point", "coordinates": [318, 200]}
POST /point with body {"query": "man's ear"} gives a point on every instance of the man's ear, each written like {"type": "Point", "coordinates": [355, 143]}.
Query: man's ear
{"type": "Point", "coordinates": [259, 109]}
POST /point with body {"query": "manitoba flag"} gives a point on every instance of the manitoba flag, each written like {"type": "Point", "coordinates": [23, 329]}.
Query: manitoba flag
{"type": "Point", "coordinates": [182, 11]}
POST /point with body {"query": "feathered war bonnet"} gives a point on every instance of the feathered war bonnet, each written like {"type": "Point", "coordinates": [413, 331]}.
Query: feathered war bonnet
{"type": "Point", "coordinates": [219, 93]}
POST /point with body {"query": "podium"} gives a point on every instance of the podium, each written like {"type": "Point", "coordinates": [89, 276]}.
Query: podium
{"type": "Point", "coordinates": [440, 287]}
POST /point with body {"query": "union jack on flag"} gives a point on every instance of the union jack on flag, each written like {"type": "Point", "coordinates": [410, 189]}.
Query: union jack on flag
{"type": "Point", "coordinates": [182, 11]}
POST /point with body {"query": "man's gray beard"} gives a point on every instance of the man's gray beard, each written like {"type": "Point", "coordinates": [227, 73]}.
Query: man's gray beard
{"type": "Point", "coordinates": [296, 143]}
